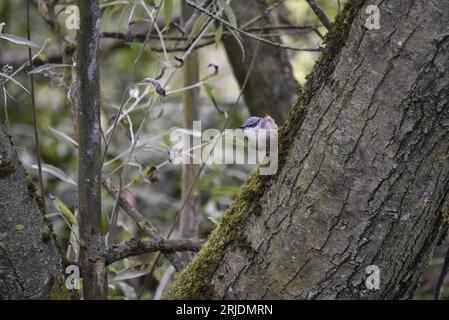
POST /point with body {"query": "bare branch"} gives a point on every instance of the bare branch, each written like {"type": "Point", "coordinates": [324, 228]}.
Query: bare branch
{"type": "Point", "coordinates": [320, 14]}
{"type": "Point", "coordinates": [142, 222]}
{"type": "Point", "coordinates": [140, 37]}
{"type": "Point", "coordinates": [33, 107]}
{"type": "Point", "coordinates": [245, 33]}
{"type": "Point", "coordinates": [443, 274]}
{"type": "Point", "coordinates": [136, 247]}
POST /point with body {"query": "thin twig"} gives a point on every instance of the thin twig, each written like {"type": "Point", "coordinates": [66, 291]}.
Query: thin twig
{"type": "Point", "coordinates": [130, 78]}
{"type": "Point", "coordinates": [143, 122]}
{"type": "Point", "coordinates": [142, 222]}
{"type": "Point", "coordinates": [114, 215]}
{"type": "Point", "coordinates": [444, 271]}
{"type": "Point", "coordinates": [245, 33]}
{"type": "Point", "coordinates": [264, 14]}
{"type": "Point", "coordinates": [33, 106]}
{"type": "Point", "coordinates": [141, 37]}
{"type": "Point", "coordinates": [320, 14]}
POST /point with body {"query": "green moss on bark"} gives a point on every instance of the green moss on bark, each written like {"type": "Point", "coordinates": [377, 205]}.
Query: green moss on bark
{"type": "Point", "coordinates": [6, 167]}
{"type": "Point", "coordinates": [194, 281]}
{"type": "Point", "coordinates": [59, 290]}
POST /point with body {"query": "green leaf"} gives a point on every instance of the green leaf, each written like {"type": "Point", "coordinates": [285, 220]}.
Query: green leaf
{"type": "Point", "coordinates": [56, 172]}
{"type": "Point", "coordinates": [214, 220]}
{"type": "Point", "coordinates": [218, 35]}
{"type": "Point", "coordinates": [237, 38]}
{"type": "Point", "coordinates": [64, 210]}
{"type": "Point", "coordinates": [132, 273]}
{"type": "Point", "coordinates": [113, 3]}
{"type": "Point", "coordinates": [229, 12]}
{"type": "Point", "coordinates": [18, 40]}
{"type": "Point", "coordinates": [210, 93]}
{"type": "Point", "coordinates": [48, 66]}
{"type": "Point", "coordinates": [62, 136]}
{"type": "Point", "coordinates": [168, 10]}
{"type": "Point", "coordinates": [166, 140]}
{"type": "Point", "coordinates": [15, 81]}
{"type": "Point", "coordinates": [150, 173]}
{"type": "Point", "coordinates": [199, 24]}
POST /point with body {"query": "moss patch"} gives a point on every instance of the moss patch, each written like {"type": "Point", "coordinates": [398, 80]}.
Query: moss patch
{"type": "Point", "coordinates": [194, 281]}
{"type": "Point", "coordinates": [445, 212]}
{"type": "Point", "coordinates": [6, 167]}
{"type": "Point", "coordinates": [46, 234]}
{"type": "Point", "coordinates": [442, 159]}
{"type": "Point", "coordinates": [33, 192]}
{"type": "Point", "coordinates": [59, 290]}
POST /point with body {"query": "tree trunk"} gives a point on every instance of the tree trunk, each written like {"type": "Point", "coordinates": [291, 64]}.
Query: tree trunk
{"type": "Point", "coordinates": [363, 175]}
{"type": "Point", "coordinates": [30, 265]}
{"type": "Point", "coordinates": [92, 242]}
{"type": "Point", "coordinates": [189, 221]}
{"type": "Point", "coordinates": [272, 88]}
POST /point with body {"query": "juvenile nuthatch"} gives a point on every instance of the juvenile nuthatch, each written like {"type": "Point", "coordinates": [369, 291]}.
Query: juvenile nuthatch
{"type": "Point", "coordinates": [259, 131]}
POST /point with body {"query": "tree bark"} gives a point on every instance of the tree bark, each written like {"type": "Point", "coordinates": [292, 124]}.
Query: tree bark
{"type": "Point", "coordinates": [363, 175]}
{"type": "Point", "coordinates": [30, 264]}
{"type": "Point", "coordinates": [92, 242]}
{"type": "Point", "coordinates": [272, 88]}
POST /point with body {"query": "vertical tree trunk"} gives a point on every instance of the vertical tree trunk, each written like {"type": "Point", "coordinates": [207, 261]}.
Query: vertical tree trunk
{"type": "Point", "coordinates": [89, 139]}
{"type": "Point", "coordinates": [30, 264]}
{"type": "Point", "coordinates": [188, 223]}
{"type": "Point", "coordinates": [272, 88]}
{"type": "Point", "coordinates": [364, 171]}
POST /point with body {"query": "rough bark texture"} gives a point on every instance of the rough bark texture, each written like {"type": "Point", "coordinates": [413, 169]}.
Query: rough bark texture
{"type": "Point", "coordinates": [89, 139]}
{"type": "Point", "coordinates": [364, 171]}
{"type": "Point", "coordinates": [30, 266]}
{"type": "Point", "coordinates": [272, 88]}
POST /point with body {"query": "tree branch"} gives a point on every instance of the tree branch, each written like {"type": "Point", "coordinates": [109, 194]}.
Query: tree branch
{"type": "Point", "coordinates": [34, 112]}
{"type": "Point", "coordinates": [320, 14]}
{"type": "Point", "coordinates": [443, 274]}
{"type": "Point", "coordinates": [143, 223]}
{"type": "Point", "coordinates": [136, 247]}
{"type": "Point", "coordinates": [140, 37]}
{"type": "Point", "coordinates": [245, 33]}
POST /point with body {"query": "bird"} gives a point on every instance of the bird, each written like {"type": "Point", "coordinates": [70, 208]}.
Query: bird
{"type": "Point", "coordinates": [252, 130]}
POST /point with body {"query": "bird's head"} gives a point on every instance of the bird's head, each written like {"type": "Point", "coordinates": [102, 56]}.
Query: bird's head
{"type": "Point", "coordinates": [252, 123]}
{"type": "Point", "coordinates": [259, 123]}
